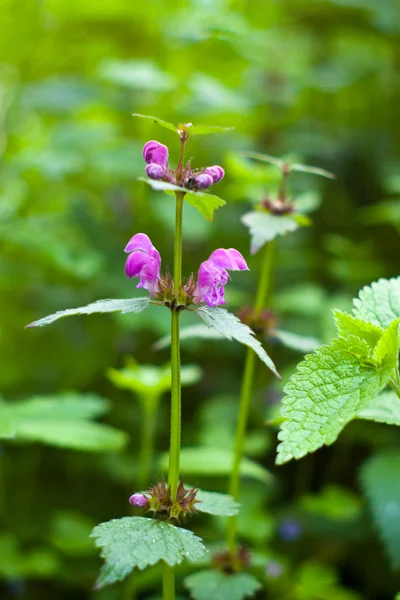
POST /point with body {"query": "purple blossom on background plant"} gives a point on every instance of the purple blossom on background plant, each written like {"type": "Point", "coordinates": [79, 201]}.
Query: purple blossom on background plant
{"type": "Point", "coordinates": [144, 261]}
{"type": "Point", "coordinates": [138, 500]}
{"type": "Point", "coordinates": [156, 157]}
{"type": "Point", "coordinates": [274, 569]}
{"type": "Point", "coordinates": [213, 275]}
{"type": "Point", "coordinates": [289, 530]}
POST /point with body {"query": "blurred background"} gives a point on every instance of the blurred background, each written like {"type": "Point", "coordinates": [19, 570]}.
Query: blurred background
{"type": "Point", "coordinates": [315, 80]}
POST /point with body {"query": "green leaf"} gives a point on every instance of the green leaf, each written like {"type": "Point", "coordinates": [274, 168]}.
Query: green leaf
{"type": "Point", "coordinates": [327, 390]}
{"type": "Point", "coordinates": [205, 202]}
{"type": "Point", "coordinates": [333, 502]}
{"type": "Point", "coordinates": [139, 542]}
{"type": "Point", "coordinates": [381, 483]}
{"type": "Point", "coordinates": [228, 325]}
{"type": "Point", "coordinates": [379, 303]}
{"type": "Point", "coordinates": [62, 406]}
{"type": "Point", "coordinates": [158, 121]}
{"type": "Point", "coordinates": [265, 227]}
{"type": "Point", "coordinates": [213, 503]}
{"type": "Point", "coordinates": [127, 305]}
{"type": "Point", "coordinates": [348, 325]}
{"type": "Point", "coordinates": [207, 129]}
{"type": "Point", "coordinates": [387, 349]}
{"type": "Point", "coordinates": [214, 584]}
{"type": "Point", "coordinates": [137, 75]}
{"type": "Point", "coordinates": [214, 462]}
{"type": "Point", "coordinates": [385, 408]}
{"type": "Point", "coordinates": [289, 166]}
{"type": "Point", "coordinates": [294, 341]}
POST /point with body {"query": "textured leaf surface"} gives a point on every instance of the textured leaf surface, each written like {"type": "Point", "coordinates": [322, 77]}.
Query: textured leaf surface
{"type": "Point", "coordinates": [128, 305]}
{"type": "Point", "coordinates": [215, 585]}
{"type": "Point", "coordinates": [205, 202]}
{"type": "Point", "coordinates": [327, 390]}
{"type": "Point", "coordinates": [265, 227]}
{"type": "Point", "coordinates": [158, 121]}
{"type": "Point", "coordinates": [381, 482]}
{"type": "Point", "coordinates": [232, 328]}
{"type": "Point", "coordinates": [379, 303]}
{"type": "Point", "coordinates": [348, 325]}
{"type": "Point", "coordinates": [385, 408]}
{"type": "Point", "coordinates": [139, 542]}
{"type": "Point", "coordinates": [214, 503]}
{"type": "Point", "coordinates": [208, 129]}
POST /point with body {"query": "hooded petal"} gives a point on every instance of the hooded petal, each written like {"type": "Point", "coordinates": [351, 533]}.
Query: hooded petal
{"type": "Point", "coordinates": [142, 242]}
{"type": "Point", "coordinates": [230, 259]}
{"type": "Point", "coordinates": [210, 284]}
{"type": "Point", "coordinates": [146, 268]}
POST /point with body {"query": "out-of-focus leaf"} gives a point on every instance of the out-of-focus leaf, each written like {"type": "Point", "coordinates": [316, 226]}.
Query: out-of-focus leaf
{"type": "Point", "coordinates": [282, 164]}
{"type": "Point", "coordinates": [294, 341]}
{"type": "Point", "coordinates": [334, 502]}
{"type": "Point", "coordinates": [381, 483]}
{"type": "Point", "coordinates": [217, 504]}
{"type": "Point", "coordinates": [208, 584]}
{"type": "Point", "coordinates": [37, 563]}
{"type": "Point", "coordinates": [139, 542]}
{"type": "Point", "coordinates": [207, 129]}
{"type": "Point", "coordinates": [385, 408]}
{"type": "Point", "coordinates": [265, 227]}
{"type": "Point", "coordinates": [70, 533]}
{"type": "Point", "coordinates": [137, 74]}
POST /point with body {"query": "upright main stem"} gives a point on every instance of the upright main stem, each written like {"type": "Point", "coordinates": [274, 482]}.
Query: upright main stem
{"type": "Point", "coordinates": [175, 434]}
{"type": "Point", "coordinates": [245, 395]}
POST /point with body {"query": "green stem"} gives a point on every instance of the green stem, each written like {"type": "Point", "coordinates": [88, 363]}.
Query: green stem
{"type": "Point", "coordinates": [149, 408]}
{"type": "Point", "coordinates": [246, 394]}
{"type": "Point", "coordinates": [168, 583]}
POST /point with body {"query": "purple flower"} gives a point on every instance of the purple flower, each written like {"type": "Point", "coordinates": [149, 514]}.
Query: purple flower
{"type": "Point", "coordinates": [217, 173]}
{"type": "Point", "coordinates": [155, 171]}
{"type": "Point", "coordinates": [138, 500]}
{"type": "Point", "coordinates": [213, 275]}
{"type": "Point", "coordinates": [156, 153]}
{"type": "Point", "coordinates": [289, 530]}
{"type": "Point", "coordinates": [144, 261]}
{"type": "Point", "coordinates": [202, 181]}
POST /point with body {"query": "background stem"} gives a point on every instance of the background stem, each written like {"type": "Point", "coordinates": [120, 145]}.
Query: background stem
{"type": "Point", "coordinates": [149, 411]}
{"type": "Point", "coordinates": [245, 395]}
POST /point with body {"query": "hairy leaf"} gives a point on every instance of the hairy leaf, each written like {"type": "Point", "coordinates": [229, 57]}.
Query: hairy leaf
{"type": "Point", "coordinates": [380, 479]}
{"type": "Point", "coordinates": [127, 305]}
{"type": "Point", "coordinates": [215, 462]}
{"type": "Point", "coordinates": [139, 542]}
{"type": "Point", "coordinates": [348, 325]}
{"type": "Point", "coordinates": [205, 202]}
{"type": "Point", "coordinates": [379, 303]}
{"type": "Point", "coordinates": [385, 408]}
{"type": "Point", "coordinates": [265, 227]}
{"type": "Point", "coordinates": [214, 503]}
{"type": "Point", "coordinates": [387, 349]}
{"type": "Point", "coordinates": [231, 327]}
{"type": "Point", "coordinates": [327, 390]}
{"type": "Point", "coordinates": [214, 584]}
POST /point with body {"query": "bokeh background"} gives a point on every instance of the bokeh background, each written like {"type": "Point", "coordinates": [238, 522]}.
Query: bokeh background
{"type": "Point", "coordinates": [314, 80]}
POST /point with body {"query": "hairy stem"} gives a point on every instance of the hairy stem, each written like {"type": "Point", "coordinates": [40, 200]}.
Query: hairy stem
{"type": "Point", "coordinates": [246, 394]}
{"type": "Point", "coordinates": [168, 582]}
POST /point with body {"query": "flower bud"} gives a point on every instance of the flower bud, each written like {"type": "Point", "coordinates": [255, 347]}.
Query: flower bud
{"type": "Point", "coordinates": [138, 500]}
{"type": "Point", "coordinates": [154, 152]}
{"type": "Point", "coordinates": [217, 173]}
{"type": "Point", "coordinates": [202, 181]}
{"type": "Point", "coordinates": [155, 171]}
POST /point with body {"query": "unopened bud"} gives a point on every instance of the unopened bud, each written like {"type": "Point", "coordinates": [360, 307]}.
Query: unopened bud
{"type": "Point", "coordinates": [217, 173]}
{"type": "Point", "coordinates": [138, 500]}
{"type": "Point", "coordinates": [154, 152]}
{"type": "Point", "coordinates": [202, 181]}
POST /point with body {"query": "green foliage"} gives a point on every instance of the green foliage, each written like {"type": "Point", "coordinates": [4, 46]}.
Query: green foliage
{"type": "Point", "coordinates": [62, 421]}
{"type": "Point", "coordinates": [385, 408]}
{"type": "Point", "coordinates": [264, 227]}
{"type": "Point", "coordinates": [217, 504]}
{"type": "Point", "coordinates": [379, 303]}
{"type": "Point", "coordinates": [334, 502]}
{"type": "Point", "coordinates": [205, 202]}
{"type": "Point", "coordinates": [134, 305]}
{"type": "Point", "coordinates": [380, 480]}
{"type": "Point", "coordinates": [204, 585]}
{"type": "Point", "coordinates": [36, 562]}
{"type": "Point", "coordinates": [316, 581]}
{"type": "Point", "coordinates": [188, 127]}
{"type": "Point", "coordinates": [139, 542]}
{"type": "Point", "coordinates": [231, 327]}
{"type": "Point", "coordinates": [202, 461]}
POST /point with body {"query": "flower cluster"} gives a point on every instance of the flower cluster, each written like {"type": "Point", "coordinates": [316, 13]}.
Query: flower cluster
{"type": "Point", "coordinates": [144, 262]}
{"type": "Point", "coordinates": [158, 499]}
{"type": "Point", "coordinates": [156, 157]}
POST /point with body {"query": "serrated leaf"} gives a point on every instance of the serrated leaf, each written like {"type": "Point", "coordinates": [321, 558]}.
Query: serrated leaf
{"type": "Point", "coordinates": [213, 503]}
{"type": "Point", "coordinates": [380, 479]}
{"type": "Point", "coordinates": [214, 584]}
{"type": "Point", "coordinates": [159, 122]}
{"type": "Point", "coordinates": [294, 341]}
{"type": "Point", "coordinates": [327, 390]}
{"type": "Point", "coordinates": [387, 349]}
{"type": "Point", "coordinates": [348, 325]}
{"type": "Point", "coordinates": [385, 408]}
{"type": "Point", "coordinates": [127, 305]}
{"type": "Point", "coordinates": [228, 325]}
{"type": "Point", "coordinates": [264, 227]}
{"type": "Point", "coordinates": [379, 303]}
{"type": "Point", "coordinates": [215, 462]}
{"type": "Point", "coordinates": [139, 542]}
{"type": "Point", "coordinates": [205, 202]}
{"type": "Point", "coordinates": [207, 129]}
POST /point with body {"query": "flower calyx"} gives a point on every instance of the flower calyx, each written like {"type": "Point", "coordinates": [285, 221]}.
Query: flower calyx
{"type": "Point", "coordinates": [159, 501]}
{"type": "Point", "coordinates": [232, 562]}
{"type": "Point", "coordinates": [279, 206]}
{"type": "Point", "coordinates": [261, 322]}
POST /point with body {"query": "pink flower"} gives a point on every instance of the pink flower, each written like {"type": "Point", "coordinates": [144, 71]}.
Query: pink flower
{"type": "Point", "coordinates": [144, 261]}
{"type": "Point", "coordinates": [155, 153]}
{"type": "Point", "coordinates": [217, 173]}
{"type": "Point", "coordinates": [138, 500]}
{"type": "Point", "coordinates": [213, 275]}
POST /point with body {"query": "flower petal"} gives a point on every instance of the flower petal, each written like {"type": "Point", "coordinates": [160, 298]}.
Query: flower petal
{"type": "Point", "coordinates": [154, 152]}
{"type": "Point", "coordinates": [230, 259]}
{"type": "Point", "coordinates": [142, 242]}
